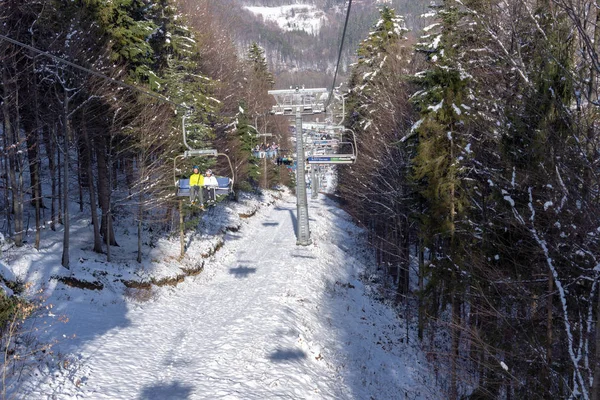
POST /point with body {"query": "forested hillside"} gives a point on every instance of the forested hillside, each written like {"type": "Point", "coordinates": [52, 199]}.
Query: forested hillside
{"type": "Point", "coordinates": [308, 58]}
{"type": "Point", "coordinates": [477, 177]}
{"type": "Point", "coordinates": [63, 121]}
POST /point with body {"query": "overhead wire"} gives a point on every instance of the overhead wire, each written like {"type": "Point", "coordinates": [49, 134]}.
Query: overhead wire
{"type": "Point", "coordinates": [337, 65]}
{"type": "Point", "coordinates": [92, 72]}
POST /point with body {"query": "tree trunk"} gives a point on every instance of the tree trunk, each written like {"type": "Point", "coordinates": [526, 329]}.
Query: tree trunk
{"type": "Point", "coordinates": [65, 188]}
{"type": "Point", "coordinates": [421, 252]}
{"type": "Point", "coordinates": [33, 158]}
{"type": "Point", "coordinates": [59, 164]}
{"type": "Point", "coordinates": [31, 125]}
{"type": "Point", "coordinates": [11, 132]}
{"type": "Point", "coordinates": [50, 151]}
{"type": "Point", "coordinates": [168, 217]}
{"type": "Point", "coordinates": [181, 233]}
{"type": "Point", "coordinates": [33, 152]}
{"type": "Point", "coordinates": [549, 319]}
{"type": "Point", "coordinates": [140, 216]}
{"type": "Point", "coordinates": [129, 171]}
{"type": "Point", "coordinates": [19, 206]}
{"type": "Point", "coordinates": [6, 181]}
{"type": "Point", "coordinates": [37, 193]}
{"type": "Point", "coordinates": [87, 161]}
{"type": "Point", "coordinates": [109, 228]}
{"type": "Point", "coordinates": [454, 353]}
{"type": "Point", "coordinates": [455, 323]}
{"type": "Point", "coordinates": [404, 257]}
{"type": "Point", "coordinates": [80, 175]}
{"type": "Point", "coordinates": [114, 175]}
{"type": "Point", "coordinates": [104, 191]}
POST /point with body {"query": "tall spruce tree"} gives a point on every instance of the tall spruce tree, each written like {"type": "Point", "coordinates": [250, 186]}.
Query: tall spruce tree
{"type": "Point", "coordinates": [260, 70]}
{"type": "Point", "coordinates": [439, 166]}
{"type": "Point", "coordinates": [377, 111]}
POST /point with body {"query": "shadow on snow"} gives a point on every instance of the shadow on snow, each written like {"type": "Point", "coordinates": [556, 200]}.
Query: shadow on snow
{"type": "Point", "coordinates": [283, 355]}
{"type": "Point", "coordinates": [294, 222]}
{"type": "Point", "coordinates": [242, 272]}
{"type": "Point", "coordinates": [270, 223]}
{"type": "Point", "coordinates": [166, 391]}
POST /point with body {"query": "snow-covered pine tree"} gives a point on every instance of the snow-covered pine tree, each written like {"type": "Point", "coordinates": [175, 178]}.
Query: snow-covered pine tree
{"type": "Point", "coordinates": [377, 186]}
{"type": "Point", "coordinates": [544, 178]}
{"type": "Point", "coordinates": [440, 171]}
{"type": "Point", "coordinates": [258, 63]}
{"type": "Point", "coordinates": [245, 164]}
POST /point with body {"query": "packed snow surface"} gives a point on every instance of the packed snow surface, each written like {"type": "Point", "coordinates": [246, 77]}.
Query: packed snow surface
{"type": "Point", "coordinates": [294, 17]}
{"type": "Point", "coordinates": [265, 319]}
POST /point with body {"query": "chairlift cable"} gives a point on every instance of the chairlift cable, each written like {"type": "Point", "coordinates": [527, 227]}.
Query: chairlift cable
{"type": "Point", "coordinates": [337, 65]}
{"type": "Point", "coordinates": [92, 72]}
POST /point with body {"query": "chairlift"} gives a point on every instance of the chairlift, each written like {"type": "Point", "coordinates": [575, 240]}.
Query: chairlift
{"type": "Point", "coordinates": [336, 158]}
{"type": "Point", "coordinates": [288, 161]}
{"type": "Point", "coordinates": [183, 185]}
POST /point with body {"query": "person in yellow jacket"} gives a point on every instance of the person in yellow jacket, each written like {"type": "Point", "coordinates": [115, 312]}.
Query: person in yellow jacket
{"type": "Point", "coordinates": [196, 184]}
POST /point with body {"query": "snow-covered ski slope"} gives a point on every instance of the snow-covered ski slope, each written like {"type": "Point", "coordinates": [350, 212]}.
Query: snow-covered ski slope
{"type": "Point", "coordinates": [266, 319]}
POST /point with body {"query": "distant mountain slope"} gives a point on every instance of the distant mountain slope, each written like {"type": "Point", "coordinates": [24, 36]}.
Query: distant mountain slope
{"type": "Point", "coordinates": [301, 38]}
{"type": "Point", "coordinates": [293, 17]}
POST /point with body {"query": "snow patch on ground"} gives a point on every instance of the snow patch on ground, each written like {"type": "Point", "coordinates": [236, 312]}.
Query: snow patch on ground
{"type": "Point", "coordinates": [264, 319]}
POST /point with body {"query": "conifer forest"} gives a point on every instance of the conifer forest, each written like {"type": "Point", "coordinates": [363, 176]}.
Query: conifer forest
{"type": "Point", "coordinates": [477, 176]}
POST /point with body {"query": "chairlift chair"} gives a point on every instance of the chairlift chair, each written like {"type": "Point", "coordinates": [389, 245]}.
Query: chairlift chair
{"type": "Point", "coordinates": [337, 158]}
{"type": "Point", "coordinates": [183, 185]}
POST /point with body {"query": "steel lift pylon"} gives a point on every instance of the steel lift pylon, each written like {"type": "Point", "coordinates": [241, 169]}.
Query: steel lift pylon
{"type": "Point", "coordinates": [297, 102]}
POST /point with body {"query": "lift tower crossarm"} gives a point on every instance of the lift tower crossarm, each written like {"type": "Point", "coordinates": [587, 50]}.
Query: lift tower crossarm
{"type": "Point", "coordinates": [307, 101]}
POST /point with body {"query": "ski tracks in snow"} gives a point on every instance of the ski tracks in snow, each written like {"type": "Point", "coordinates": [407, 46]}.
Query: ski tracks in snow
{"type": "Point", "coordinates": [266, 319]}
